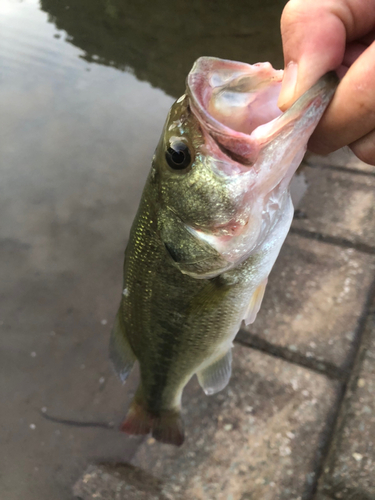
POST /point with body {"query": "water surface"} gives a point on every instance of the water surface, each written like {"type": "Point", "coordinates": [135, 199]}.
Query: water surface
{"type": "Point", "coordinates": [85, 89]}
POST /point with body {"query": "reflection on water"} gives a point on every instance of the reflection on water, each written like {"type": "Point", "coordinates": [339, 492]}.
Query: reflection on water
{"type": "Point", "coordinates": [76, 136]}
{"type": "Point", "coordinates": [76, 141]}
{"type": "Point", "coordinates": [160, 40]}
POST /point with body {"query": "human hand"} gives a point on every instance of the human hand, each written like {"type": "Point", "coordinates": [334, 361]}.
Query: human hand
{"type": "Point", "coordinates": [323, 35]}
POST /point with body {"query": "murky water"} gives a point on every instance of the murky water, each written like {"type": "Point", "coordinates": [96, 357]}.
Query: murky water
{"type": "Point", "coordinates": [85, 89]}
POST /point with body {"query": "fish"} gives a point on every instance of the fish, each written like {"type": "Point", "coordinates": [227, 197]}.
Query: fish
{"type": "Point", "coordinates": [214, 213]}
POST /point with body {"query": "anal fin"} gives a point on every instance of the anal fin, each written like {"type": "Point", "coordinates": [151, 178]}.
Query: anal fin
{"type": "Point", "coordinates": [120, 352]}
{"type": "Point", "coordinates": [255, 303]}
{"type": "Point", "coordinates": [216, 376]}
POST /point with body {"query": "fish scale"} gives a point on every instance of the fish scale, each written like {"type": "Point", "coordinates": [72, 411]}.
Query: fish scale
{"type": "Point", "coordinates": [213, 216]}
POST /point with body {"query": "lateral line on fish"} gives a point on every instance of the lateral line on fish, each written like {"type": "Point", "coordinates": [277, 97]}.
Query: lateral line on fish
{"type": "Point", "coordinates": [253, 341]}
{"type": "Point", "coordinates": [333, 240]}
{"type": "Point", "coordinates": [77, 423]}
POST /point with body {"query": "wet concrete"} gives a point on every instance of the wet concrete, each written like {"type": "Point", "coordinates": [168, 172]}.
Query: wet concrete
{"type": "Point", "coordinates": [76, 143]}
{"type": "Point", "coordinates": [77, 132]}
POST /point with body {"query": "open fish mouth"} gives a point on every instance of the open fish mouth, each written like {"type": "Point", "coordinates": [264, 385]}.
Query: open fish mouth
{"type": "Point", "coordinates": [235, 96]}
{"type": "Point", "coordinates": [252, 142]}
{"type": "Point", "coordinates": [236, 103]}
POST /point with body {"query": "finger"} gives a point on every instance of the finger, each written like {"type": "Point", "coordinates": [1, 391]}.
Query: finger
{"type": "Point", "coordinates": [314, 34]}
{"type": "Point", "coordinates": [351, 114]}
{"type": "Point", "coordinates": [341, 71]}
{"type": "Point", "coordinates": [368, 39]}
{"type": "Point", "coordinates": [364, 148]}
{"type": "Point", "coordinates": [352, 52]}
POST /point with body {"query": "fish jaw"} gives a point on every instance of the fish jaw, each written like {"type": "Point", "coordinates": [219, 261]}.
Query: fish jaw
{"type": "Point", "coordinates": [236, 105]}
{"type": "Point", "coordinates": [250, 141]}
{"type": "Point", "coordinates": [231, 99]}
{"type": "Point", "coordinates": [283, 141]}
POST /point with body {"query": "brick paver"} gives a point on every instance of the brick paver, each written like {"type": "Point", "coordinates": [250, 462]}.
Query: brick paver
{"type": "Point", "coordinates": [117, 482]}
{"type": "Point", "coordinates": [314, 300]}
{"type": "Point", "coordinates": [339, 204]}
{"type": "Point", "coordinates": [350, 467]}
{"type": "Point", "coordinates": [343, 158]}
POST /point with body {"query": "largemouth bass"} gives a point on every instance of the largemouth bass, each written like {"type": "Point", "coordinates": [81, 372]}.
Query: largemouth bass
{"type": "Point", "coordinates": [213, 216]}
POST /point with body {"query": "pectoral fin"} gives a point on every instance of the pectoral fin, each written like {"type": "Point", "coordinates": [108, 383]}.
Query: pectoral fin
{"type": "Point", "coordinates": [255, 303]}
{"type": "Point", "coordinates": [120, 352]}
{"type": "Point", "coordinates": [216, 376]}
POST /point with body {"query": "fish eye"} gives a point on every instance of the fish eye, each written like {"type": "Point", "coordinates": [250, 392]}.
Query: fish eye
{"type": "Point", "coordinates": [178, 156]}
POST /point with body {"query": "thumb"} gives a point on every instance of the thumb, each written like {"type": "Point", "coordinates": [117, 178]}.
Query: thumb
{"type": "Point", "coordinates": [314, 38]}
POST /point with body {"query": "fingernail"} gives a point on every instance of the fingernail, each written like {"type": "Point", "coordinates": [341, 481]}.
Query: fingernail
{"type": "Point", "coordinates": [288, 85]}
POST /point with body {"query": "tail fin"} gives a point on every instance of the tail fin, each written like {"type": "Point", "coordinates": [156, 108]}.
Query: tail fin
{"type": "Point", "coordinates": [137, 421]}
{"type": "Point", "coordinates": [165, 427]}
{"type": "Point", "coordinates": [168, 428]}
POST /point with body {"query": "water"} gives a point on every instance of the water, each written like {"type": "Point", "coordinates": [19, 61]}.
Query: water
{"type": "Point", "coordinates": [85, 89]}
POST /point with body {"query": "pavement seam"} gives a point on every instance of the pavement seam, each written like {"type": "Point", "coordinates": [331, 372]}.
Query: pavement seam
{"type": "Point", "coordinates": [346, 389]}
{"type": "Point", "coordinates": [338, 168]}
{"type": "Point", "coordinates": [253, 341]}
{"type": "Point", "coordinates": [333, 240]}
